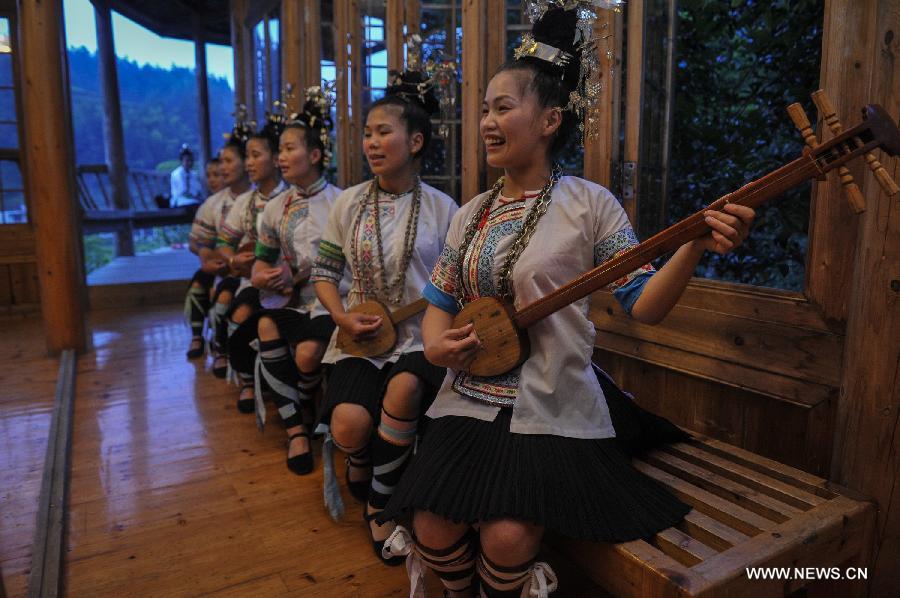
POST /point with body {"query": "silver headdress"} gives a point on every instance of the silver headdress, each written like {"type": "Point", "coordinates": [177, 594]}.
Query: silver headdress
{"type": "Point", "coordinates": [243, 127]}
{"type": "Point", "coordinates": [584, 99]}
{"type": "Point", "coordinates": [316, 115]}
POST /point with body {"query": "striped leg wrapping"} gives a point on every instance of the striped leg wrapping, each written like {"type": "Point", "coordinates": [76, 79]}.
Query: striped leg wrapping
{"type": "Point", "coordinates": [455, 565]}
{"type": "Point", "coordinates": [530, 579]}
{"type": "Point", "coordinates": [392, 447]}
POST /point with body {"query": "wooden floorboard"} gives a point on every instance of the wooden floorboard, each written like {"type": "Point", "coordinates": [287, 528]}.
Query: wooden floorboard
{"type": "Point", "coordinates": [172, 491]}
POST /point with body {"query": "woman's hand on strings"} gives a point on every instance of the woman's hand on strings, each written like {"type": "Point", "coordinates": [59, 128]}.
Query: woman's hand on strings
{"type": "Point", "coordinates": [729, 228]}
{"type": "Point", "coordinates": [455, 348]}
{"type": "Point", "coordinates": [359, 326]}
{"type": "Point", "coordinates": [268, 278]}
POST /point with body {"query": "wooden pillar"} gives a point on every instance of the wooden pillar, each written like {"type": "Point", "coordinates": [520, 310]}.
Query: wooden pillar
{"type": "Point", "coordinates": [311, 57]}
{"type": "Point", "coordinates": [474, 81]}
{"type": "Point", "coordinates": [292, 50]}
{"type": "Point", "coordinates": [412, 16]}
{"type": "Point", "coordinates": [47, 141]}
{"type": "Point", "coordinates": [242, 48]}
{"type": "Point", "coordinates": [601, 152]}
{"type": "Point", "coordinates": [114, 138]}
{"type": "Point", "coordinates": [348, 53]}
{"type": "Point", "coordinates": [202, 91]}
{"type": "Point", "coordinates": [394, 19]}
{"type": "Point", "coordinates": [859, 65]}
{"type": "Point", "coordinates": [633, 105]}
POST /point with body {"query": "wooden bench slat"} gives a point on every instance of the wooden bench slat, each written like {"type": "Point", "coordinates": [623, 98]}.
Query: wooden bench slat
{"type": "Point", "coordinates": [738, 493]}
{"type": "Point", "coordinates": [727, 513]}
{"type": "Point", "coordinates": [727, 468]}
{"type": "Point", "coordinates": [779, 471]}
{"type": "Point", "coordinates": [710, 532]}
{"type": "Point", "coordinates": [826, 536]}
{"type": "Point", "coordinates": [686, 550]}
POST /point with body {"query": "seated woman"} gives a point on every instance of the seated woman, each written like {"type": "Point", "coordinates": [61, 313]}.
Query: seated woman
{"type": "Point", "coordinates": [214, 180]}
{"type": "Point", "coordinates": [507, 457]}
{"type": "Point", "coordinates": [291, 339]}
{"type": "Point", "coordinates": [389, 232]}
{"type": "Point", "coordinates": [205, 231]}
{"type": "Point", "coordinates": [240, 231]}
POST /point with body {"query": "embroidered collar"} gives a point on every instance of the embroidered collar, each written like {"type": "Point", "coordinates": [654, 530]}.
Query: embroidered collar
{"type": "Point", "coordinates": [312, 189]}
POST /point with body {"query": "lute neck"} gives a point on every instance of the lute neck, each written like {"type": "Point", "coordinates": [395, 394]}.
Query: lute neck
{"type": "Point", "coordinates": [752, 194]}
{"type": "Point", "coordinates": [408, 311]}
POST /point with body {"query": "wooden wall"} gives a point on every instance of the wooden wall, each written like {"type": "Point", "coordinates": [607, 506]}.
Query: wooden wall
{"type": "Point", "coordinates": [18, 271]}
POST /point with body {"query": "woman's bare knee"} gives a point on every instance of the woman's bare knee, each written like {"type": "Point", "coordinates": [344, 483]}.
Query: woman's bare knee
{"type": "Point", "coordinates": [308, 355]}
{"type": "Point", "coordinates": [435, 531]}
{"type": "Point", "coordinates": [224, 298]}
{"type": "Point", "coordinates": [403, 395]}
{"type": "Point", "coordinates": [267, 329]}
{"type": "Point", "coordinates": [510, 542]}
{"type": "Point", "coordinates": [351, 426]}
{"type": "Point", "coordinates": [241, 313]}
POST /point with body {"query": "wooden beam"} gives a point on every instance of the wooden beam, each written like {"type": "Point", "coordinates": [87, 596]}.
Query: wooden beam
{"type": "Point", "coordinates": [200, 72]}
{"type": "Point", "coordinates": [51, 191]}
{"type": "Point", "coordinates": [114, 138]}
{"type": "Point", "coordinates": [48, 549]}
{"type": "Point", "coordinates": [859, 65]}
{"type": "Point", "coordinates": [413, 15]}
{"type": "Point", "coordinates": [601, 152]}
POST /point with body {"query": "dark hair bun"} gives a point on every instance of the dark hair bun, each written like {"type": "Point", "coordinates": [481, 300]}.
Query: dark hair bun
{"type": "Point", "coordinates": [557, 28]}
{"type": "Point", "coordinates": [413, 86]}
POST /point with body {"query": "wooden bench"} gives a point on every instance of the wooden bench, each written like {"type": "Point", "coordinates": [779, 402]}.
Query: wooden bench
{"type": "Point", "coordinates": [748, 511]}
{"type": "Point", "coordinates": [99, 213]}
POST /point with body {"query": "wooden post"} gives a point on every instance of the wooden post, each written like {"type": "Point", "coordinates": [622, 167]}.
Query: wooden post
{"type": "Point", "coordinates": [413, 16]}
{"type": "Point", "coordinates": [602, 152]}
{"type": "Point", "coordinates": [242, 47]}
{"type": "Point", "coordinates": [394, 18]}
{"type": "Point", "coordinates": [112, 122]}
{"type": "Point", "coordinates": [347, 56]}
{"type": "Point", "coordinates": [633, 105]}
{"type": "Point", "coordinates": [47, 141]}
{"type": "Point", "coordinates": [292, 50]}
{"type": "Point", "coordinates": [474, 75]}
{"type": "Point", "coordinates": [859, 65]}
{"type": "Point", "coordinates": [311, 56]}
{"type": "Point", "coordinates": [202, 91]}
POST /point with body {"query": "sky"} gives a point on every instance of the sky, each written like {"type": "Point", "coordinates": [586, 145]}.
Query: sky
{"type": "Point", "coordinates": [141, 45]}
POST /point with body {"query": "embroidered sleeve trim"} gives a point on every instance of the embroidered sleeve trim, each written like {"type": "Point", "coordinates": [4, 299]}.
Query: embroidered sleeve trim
{"type": "Point", "coordinates": [330, 262]}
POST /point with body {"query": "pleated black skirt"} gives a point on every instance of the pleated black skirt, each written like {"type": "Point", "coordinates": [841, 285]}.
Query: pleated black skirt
{"type": "Point", "coordinates": [470, 470]}
{"type": "Point", "coordinates": [294, 327]}
{"type": "Point", "coordinates": [356, 380]}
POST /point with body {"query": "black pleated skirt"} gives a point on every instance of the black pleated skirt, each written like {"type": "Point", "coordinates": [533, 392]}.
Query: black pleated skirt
{"type": "Point", "coordinates": [469, 470]}
{"type": "Point", "coordinates": [294, 327]}
{"type": "Point", "coordinates": [355, 380]}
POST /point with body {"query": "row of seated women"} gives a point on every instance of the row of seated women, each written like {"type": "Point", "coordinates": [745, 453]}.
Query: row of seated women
{"type": "Point", "coordinates": [475, 468]}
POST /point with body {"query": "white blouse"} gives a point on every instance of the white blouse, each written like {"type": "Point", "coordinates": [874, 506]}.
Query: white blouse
{"type": "Point", "coordinates": [290, 229]}
{"type": "Point", "coordinates": [242, 223]}
{"type": "Point", "coordinates": [555, 391]}
{"type": "Point", "coordinates": [435, 212]}
{"type": "Point", "coordinates": [210, 218]}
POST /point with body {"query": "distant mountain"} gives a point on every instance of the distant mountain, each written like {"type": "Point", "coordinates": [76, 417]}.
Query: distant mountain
{"type": "Point", "coordinates": [159, 110]}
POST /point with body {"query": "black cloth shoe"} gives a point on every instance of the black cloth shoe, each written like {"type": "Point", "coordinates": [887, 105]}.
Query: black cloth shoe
{"type": "Point", "coordinates": [196, 348]}
{"type": "Point", "coordinates": [301, 464]}
{"type": "Point", "coordinates": [360, 488]}
{"type": "Point", "coordinates": [245, 405]}
{"type": "Point", "coordinates": [220, 366]}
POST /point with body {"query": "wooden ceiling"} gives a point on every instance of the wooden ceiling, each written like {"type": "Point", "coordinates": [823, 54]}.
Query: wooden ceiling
{"type": "Point", "coordinates": [176, 18]}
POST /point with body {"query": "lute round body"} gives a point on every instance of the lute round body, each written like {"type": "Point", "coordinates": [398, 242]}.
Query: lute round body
{"type": "Point", "coordinates": [503, 345]}
{"type": "Point", "coordinates": [383, 341]}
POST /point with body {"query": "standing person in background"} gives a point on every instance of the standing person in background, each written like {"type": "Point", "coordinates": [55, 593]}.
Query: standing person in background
{"type": "Point", "coordinates": [184, 184]}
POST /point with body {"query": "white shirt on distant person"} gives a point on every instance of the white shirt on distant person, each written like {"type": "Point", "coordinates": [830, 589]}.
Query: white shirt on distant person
{"type": "Point", "coordinates": [185, 188]}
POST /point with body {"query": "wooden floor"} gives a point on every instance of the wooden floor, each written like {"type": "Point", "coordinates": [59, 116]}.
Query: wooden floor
{"type": "Point", "coordinates": [27, 385]}
{"type": "Point", "coordinates": [173, 492]}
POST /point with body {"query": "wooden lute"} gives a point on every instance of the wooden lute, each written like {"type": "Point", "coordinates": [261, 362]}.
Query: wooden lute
{"type": "Point", "coordinates": [386, 337]}
{"type": "Point", "coordinates": [502, 329]}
